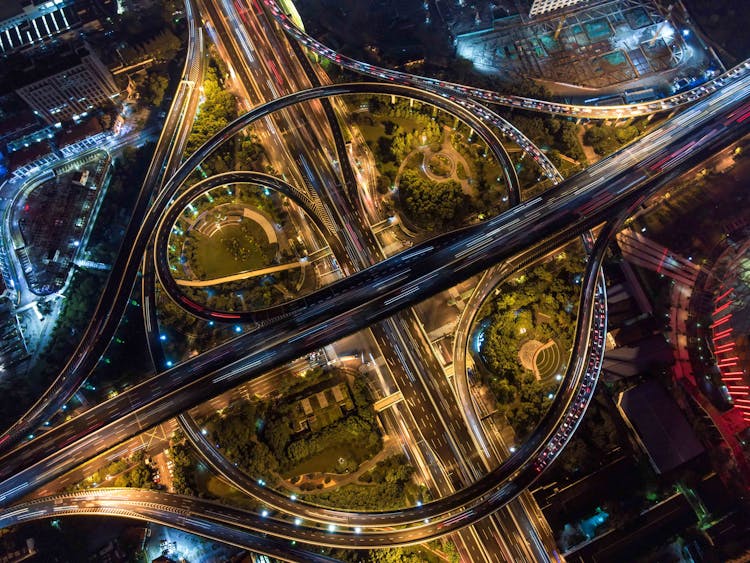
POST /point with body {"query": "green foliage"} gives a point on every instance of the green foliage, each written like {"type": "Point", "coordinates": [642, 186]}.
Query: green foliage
{"type": "Point", "coordinates": [183, 473]}
{"type": "Point", "coordinates": [218, 109]}
{"type": "Point", "coordinates": [597, 436]}
{"type": "Point", "coordinates": [258, 435]}
{"type": "Point", "coordinates": [251, 155]}
{"type": "Point", "coordinates": [163, 47]}
{"type": "Point", "coordinates": [153, 88]}
{"type": "Point", "coordinates": [82, 296]}
{"type": "Point", "coordinates": [431, 205]}
{"type": "Point", "coordinates": [348, 431]}
{"type": "Point", "coordinates": [388, 487]}
{"type": "Point", "coordinates": [551, 132]}
{"type": "Point", "coordinates": [606, 139]}
{"type": "Point", "coordinates": [567, 140]}
{"type": "Point", "coordinates": [539, 305]}
{"type": "Point", "coordinates": [130, 472]}
{"type": "Point", "coordinates": [126, 177]}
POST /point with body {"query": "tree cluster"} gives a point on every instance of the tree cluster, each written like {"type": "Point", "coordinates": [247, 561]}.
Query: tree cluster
{"type": "Point", "coordinates": [438, 551]}
{"type": "Point", "coordinates": [588, 449]}
{"type": "Point", "coordinates": [218, 109]}
{"type": "Point", "coordinates": [539, 305]}
{"type": "Point", "coordinates": [163, 47]}
{"type": "Point", "coordinates": [17, 394]}
{"type": "Point", "coordinates": [431, 205]}
{"type": "Point", "coordinates": [259, 436]}
{"type": "Point", "coordinates": [130, 472]}
{"type": "Point", "coordinates": [551, 133]}
{"type": "Point", "coordinates": [237, 435]}
{"type": "Point", "coordinates": [251, 155]}
{"type": "Point", "coordinates": [152, 89]}
{"type": "Point", "coordinates": [183, 472]}
{"type": "Point", "coordinates": [606, 139]}
{"type": "Point", "coordinates": [389, 487]}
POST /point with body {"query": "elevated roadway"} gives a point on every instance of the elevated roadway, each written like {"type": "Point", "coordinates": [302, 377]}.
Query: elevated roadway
{"type": "Point", "coordinates": [329, 535]}
{"type": "Point", "coordinates": [161, 508]}
{"type": "Point", "coordinates": [95, 339]}
{"type": "Point", "coordinates": [578, 111]}
{"type": "Point", "coordinates": [572, 207]}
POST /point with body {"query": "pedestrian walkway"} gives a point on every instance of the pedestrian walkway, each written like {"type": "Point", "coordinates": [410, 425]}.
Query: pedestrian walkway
{"type": "Point", "coordinates": [242, 275]}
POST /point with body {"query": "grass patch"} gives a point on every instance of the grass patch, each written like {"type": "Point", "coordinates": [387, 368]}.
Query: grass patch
{"type": "Point", "coordinates": [327, 461]}
{"type": "Point", "coordinates": [217, 488]}
{"type": "Point", "coordinates": [235, 248]}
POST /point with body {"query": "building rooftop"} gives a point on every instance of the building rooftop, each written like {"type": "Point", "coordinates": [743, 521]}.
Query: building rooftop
{"type": "Point", "coordinates": [662, 429]}
{"type": "Point", "coordinates": [11, 8]}
{"type": "Point", "coordinates": [22, 69]}
{"type": "Point", "coordinates": [75, 133]}
{"type": "Point", "coordinates": [27, 155]}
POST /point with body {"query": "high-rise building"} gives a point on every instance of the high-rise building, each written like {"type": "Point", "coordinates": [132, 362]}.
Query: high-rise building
{"type": "Point", "coordinates": [83, 84]}
{"type": "Point", "coordinates": [539, 7]}
{"type": "Point", "coordinates": [25, 24]}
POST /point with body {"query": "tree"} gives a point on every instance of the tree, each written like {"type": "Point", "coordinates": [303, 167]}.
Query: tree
{"type": "Point", "coordinates": [567, 137]}
{"type": "Point", "coordinates": [153, 88]}
{"type": "Point", "coordinates": [432, 205]}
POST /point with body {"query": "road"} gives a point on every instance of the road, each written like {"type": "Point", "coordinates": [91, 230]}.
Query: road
{"type": "Point", "coordinates": [162, 508]}
{"type": "Point", "coordinates": [162, 505]}
{"type": "Point", "coordinates": [344, 206]}
{"type": "Point", "coordinates": [579, 111]}
{"type": "Point", "coordinates": [95, 339]}
{"type": "Point", "coordinates": [570, 208]}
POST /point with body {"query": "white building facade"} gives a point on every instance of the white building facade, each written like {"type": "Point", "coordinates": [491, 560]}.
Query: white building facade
{"type": "Point", "coordinates": [74, 91]}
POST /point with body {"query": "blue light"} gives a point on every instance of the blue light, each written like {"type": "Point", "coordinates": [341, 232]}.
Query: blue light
{"type": "Point", "coordinates": [297, 521]}
{"type": "Point", "coordinates": [685, 32]}
{"type": "Point", "coordinates": [163, 337]}
{"type": "Point", "coordinates": [264, 513]}
{"type": "Point", "coordinates": [169, 363]}
{"type": "Point", "coordinates": [210, 323]}
{"type": "Point", "coordinates": [237, 328]}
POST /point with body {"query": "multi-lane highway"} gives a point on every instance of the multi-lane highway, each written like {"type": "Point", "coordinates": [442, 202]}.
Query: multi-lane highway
{"type": "Point", "coordinates": [94, 341]}
{"type": "Point", "coordinates": [204, 513]}
{"type": "Point", "coordinates": [572, 207]}
{"type": "Point", "coordinates": [397, 343]}
{"type": "Point", "coordinates": [607, 188]}
{"type": "Point", "coordinates": [573, 110]}
{"type": "Point", "coordinates": [162, 508]}
{"type": "Point", "coordinates": [346, 210]}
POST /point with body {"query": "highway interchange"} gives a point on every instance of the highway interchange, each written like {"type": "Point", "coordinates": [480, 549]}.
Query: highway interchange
{"type": "Point", "coordinates": [374, 293]}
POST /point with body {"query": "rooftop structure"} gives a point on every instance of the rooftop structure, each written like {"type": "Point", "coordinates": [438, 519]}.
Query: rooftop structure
{"type": "Point", "coordinates": [539, 7]}
{"type": "Point", "coordinates": [80, 84]}
{"type": "Point", "coordinates": [660, 427]}
{"type": "Point", "coordinates": [24, 23]}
